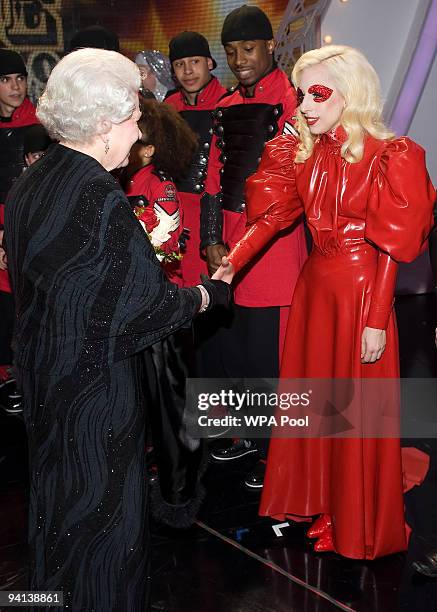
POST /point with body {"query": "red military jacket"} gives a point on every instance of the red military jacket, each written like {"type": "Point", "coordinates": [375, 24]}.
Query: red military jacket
{"type": "Point", "coordinates": [206, 99]}
{"type": "Point", "coordinates": [270, 279]}
{"type": "Point", "coordinates": [22, 116]}
{"type": "Point", "coordinates": [193, 264]}
{"type": "Point", "coordinates": [162, 218]}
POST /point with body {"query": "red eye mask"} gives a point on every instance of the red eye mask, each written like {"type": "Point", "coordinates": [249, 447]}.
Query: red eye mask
{"type": "Point", "coordinates": [300, 96]}
{"type": "Point", "coordinates": [320, 92]}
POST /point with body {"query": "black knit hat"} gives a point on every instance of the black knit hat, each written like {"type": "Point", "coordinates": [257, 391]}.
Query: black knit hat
{"type": "Point", "coordinates": [36, 139]}
{"type": "Point", "coordinates": [11, 62]}
{"type": "Point", "coordinates": [246, 23]}
{"type": "Point", "coordinates": [189, 44]}
{"type": "Point", "coordinates": [95, 37]}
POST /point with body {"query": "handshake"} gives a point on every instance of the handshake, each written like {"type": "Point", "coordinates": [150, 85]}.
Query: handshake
{"type": "Point", "coordinates": [217, 291]}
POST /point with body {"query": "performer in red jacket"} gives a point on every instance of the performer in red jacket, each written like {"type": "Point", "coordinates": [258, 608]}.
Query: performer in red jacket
{"type": "Point", "coordinates": [166, 148]}
{"type": "Point", "coordinates": [16, 112]}
{"type": "Point", "coordinates": [198, 94]}
{"type": "Point", "coordinates": [261, 106]}
{"type": "Point", "coordinates": [368, 202]}
{"type": "Point", "coordinates": [165, 151]}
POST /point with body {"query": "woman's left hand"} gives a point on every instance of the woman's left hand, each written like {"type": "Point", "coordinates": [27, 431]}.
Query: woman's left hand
{"type": "Point", "coordinates": [372, 344]}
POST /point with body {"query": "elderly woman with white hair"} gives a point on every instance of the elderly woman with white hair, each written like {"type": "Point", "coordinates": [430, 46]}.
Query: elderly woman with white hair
{"type": "Point", "coordinates": [90, 295]}
{"type": "Point", "coordinates": [368, 202]}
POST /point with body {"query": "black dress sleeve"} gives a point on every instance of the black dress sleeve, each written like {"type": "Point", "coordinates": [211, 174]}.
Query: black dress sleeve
{"type": "Point", "coordinates": [132, 303]}
{"type": "Point", "coordinates": [88, 285]}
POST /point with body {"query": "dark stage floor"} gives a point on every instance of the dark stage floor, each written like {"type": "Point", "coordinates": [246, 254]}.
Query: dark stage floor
{"type": "Point", "coordinates": [232, 560]}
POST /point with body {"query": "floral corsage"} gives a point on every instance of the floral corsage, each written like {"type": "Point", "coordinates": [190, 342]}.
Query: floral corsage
{"type": "Point", "coordinates": [159, 233]}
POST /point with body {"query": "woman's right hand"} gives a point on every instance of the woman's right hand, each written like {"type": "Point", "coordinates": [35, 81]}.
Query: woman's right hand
{"type": "Point", "coordinates": [225, 272]}
{"type": "Point", "coordinates": [372, 344]}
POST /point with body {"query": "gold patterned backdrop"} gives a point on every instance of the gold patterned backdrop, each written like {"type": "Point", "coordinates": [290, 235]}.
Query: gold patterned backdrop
{"type": "Point", "coordinates": [40, 29]}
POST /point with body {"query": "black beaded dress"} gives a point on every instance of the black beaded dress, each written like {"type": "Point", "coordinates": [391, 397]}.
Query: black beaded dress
{"type": "Point", "coordinates": [90, 295]}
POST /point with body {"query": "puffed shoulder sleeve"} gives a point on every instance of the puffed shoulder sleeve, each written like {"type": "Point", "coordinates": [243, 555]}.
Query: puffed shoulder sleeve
{"type": "Point", "coordinates": [400, 208]}
{"type": "Point", "coordinates": [272, 201]}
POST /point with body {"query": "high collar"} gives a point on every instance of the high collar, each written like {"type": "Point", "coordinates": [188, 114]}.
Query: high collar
{"type": "Point", "coordinates": [335, 137]}
{"type": "Point", "coordinates": [148, 169]}
{"type": "Point", "coordinates": [22, 116]}
{"type": "Point", "coordinates": [203, 96]}
{"type": "Point", "coordinates": [261, 85]}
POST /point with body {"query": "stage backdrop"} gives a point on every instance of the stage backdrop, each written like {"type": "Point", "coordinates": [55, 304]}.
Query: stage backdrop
{"type": "Point", "coordinates": [40, 29]}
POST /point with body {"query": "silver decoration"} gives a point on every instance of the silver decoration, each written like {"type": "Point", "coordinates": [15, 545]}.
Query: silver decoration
{"type": "Point", "coordinates": [299, 31]}
{"type": "Point", "coordinates": [161, 68]}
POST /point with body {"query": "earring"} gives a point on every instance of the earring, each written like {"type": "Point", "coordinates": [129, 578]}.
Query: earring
{"type": "Point", "coordinates": [106, 147]}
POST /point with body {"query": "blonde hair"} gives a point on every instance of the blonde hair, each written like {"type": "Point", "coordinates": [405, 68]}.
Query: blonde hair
{"type": "Point", "coordinates": [358, 84]}
{"type": "Point", "coordinates": [86, 87]}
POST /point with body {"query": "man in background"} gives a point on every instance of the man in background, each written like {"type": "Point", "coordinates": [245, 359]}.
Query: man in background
{"type": "Point", "coordinates": [96, 37]}
{"type": "Point", "coordinates": [16, 113]}
{"type": "Point", "coordinates": [249, 343]}
{"type": "Point", "coordinates": [195, 98]}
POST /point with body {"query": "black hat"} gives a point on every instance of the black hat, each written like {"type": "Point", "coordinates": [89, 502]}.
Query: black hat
{"type": "Point", "coordinates": [189, 44]}
{"type": "Point", "coordinates": [36, 139]}
{"type": "Point", "coordinates": [246, 23]}
{"type": "Point", "coordinates": [11, 62]}
{"type": "Point", "coordinates": [95, 37]}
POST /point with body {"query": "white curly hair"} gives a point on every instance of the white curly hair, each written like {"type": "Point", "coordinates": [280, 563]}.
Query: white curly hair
{"type": "Point", "coordinates": [87, 91]}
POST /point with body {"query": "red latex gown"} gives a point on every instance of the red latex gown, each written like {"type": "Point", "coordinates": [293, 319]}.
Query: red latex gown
{"type": "Point", "coordinates": [363, 217]}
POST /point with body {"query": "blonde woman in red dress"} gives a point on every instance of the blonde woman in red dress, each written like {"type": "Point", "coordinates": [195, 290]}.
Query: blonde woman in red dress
{"type": "Point", "coordinates": [368, 201]}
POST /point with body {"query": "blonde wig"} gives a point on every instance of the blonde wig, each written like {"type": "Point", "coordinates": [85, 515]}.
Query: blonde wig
{"type": "Point", "coordinates": [86, 88]}
{"type": "Point", "coordinates": [358, 84]}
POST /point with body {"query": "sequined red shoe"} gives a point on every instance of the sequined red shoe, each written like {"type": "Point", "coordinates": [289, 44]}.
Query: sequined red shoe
{"type": "Point", "coordinates": [319, 526]}
{"type": "Point", "coordinates": [325, 543]}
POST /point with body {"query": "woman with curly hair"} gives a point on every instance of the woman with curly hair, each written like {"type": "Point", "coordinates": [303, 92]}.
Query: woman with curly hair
{"type": "Point", "coordinates": [165, 151]}
{"type": "Point", "coordinates": [368, 202]}
{"type": "Point", "coordinates": [164, 154]}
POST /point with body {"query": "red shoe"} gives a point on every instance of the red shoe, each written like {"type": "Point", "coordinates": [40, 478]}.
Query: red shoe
{"type": "Point", "coordinates": [319, 526]}
{"type": "Point", "coordinates": [325, 543]}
